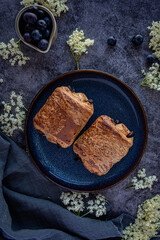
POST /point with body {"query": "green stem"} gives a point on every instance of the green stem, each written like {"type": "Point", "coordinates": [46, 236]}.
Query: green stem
{"type": "Point", "coordinates": [25, 108]}
{"type": "Point", "coordinates": [129, 188]}
{"type": "Point", "coordinates": [78, 212]}
{"type": "Point", "coordinates": [77, 65]}
{"type": "Point", "coordinates": [18, 41]}
{"type": "Point", "coordinates": [76, 59]}
{"type": "Point", "coordinates": [156, 236]}
{"type": "Point", "coordinates": [18, 106]}
{"type": "Point", "coordinates": [19, 44]}
{"type": "Point", "coordinates": [85, 214]}
{"type": "Point", "coordinates": [144, 84]}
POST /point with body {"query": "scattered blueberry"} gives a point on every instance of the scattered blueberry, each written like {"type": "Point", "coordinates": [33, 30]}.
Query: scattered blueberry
{"type": "Point", "coordinates": [27, 37]}
{"type": "Point", "coordinates": [111, 41]}
{"type": "Point", "coordinates": [40, 13]}
{"type": "Point", "coordinates": [151, 58]}
{"type": "Point", "coordinates": [43, 44]}
{"type": "Point", "coordinates": [41, 25]}
{"type": "Point", "coordinates": [36, 35]}
{"type": "Point", "coordinates": [29, 27]}
{"type": "Point", "coordinates": [137, 40]}
{"type": "Point", "coordinates": [47, 34]}
{"type": "Point", "coordinates": [29, 17]}
{"type": "Point", "coordinates": [47, 20]}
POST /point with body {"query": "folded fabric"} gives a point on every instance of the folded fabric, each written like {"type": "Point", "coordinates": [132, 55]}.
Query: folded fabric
{"type": "Point", "coordinates": [30, 208]}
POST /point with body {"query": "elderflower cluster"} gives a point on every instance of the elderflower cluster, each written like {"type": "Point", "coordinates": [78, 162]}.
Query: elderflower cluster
{"type": "Point", "coordinates": [1, 80]}
{"type": "Point", "coordinates": [98, 205]}
{"type": "Point", "coordinates": [12, 53]}
{"type": "Point", "coordinates": [152, 78]}
{"type": "Point", "coordinates": [55, 6]}
{"type": "Point", "coordinates": [143, 181]}
{"type": "Point", "coordinates": [13, 115]}
{"type": "Point", "coordinates": [77, 44]}
{"type": "Point", "coordinates": [155, 38]}
{"type": "Point", "coordinates": [147, 222]}
{"type": "Point", "coordinates": [76, 202]}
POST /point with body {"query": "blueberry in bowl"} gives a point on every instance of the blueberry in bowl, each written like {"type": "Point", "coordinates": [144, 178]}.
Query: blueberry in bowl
{"type": "Point", "coordinates": [27, 37]}
{"type": "Point", "coordinates": [36, 27]}
{"type": "Point", "coordinates": [43, 44]}
{"type": "Point", "coordinates": [47, 34]}
{"type": "Point", "coordinates": [41, 25]}
{"type": "Point", "coordinates": [40, 13]}
{"type": "Point", "coordinates": [47, 20]}
{"type": "Point", "coordinates": [30, 17]}
{"type": "Point", "coordinates": [36, 35]}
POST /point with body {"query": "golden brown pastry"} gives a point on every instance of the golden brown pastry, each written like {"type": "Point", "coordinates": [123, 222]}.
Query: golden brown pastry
{"type": "Point", "coordinates": [103, 144]}
{"type": "Point", "coordinates": [63, 116]}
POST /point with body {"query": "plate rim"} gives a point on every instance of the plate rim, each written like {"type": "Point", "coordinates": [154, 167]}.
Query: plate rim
{"type": "Point", "coordinates": [101, 73]}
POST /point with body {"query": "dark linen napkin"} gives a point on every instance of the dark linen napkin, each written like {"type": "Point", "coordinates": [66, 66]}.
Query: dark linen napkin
{"type": "Point", "coordinates": [30, 208]}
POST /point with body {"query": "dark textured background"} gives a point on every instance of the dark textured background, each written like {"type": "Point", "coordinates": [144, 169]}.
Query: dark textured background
{"type": "Point", "coordinates": [99, 19]}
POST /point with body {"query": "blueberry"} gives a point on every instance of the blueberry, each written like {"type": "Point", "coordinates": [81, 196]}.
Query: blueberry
{"type": "Point", "coordinates": [33, 9]}
{"type": "Point", "coordinates": [29, 27]}
{"type": "Point", "coordinates": [47, 34]}
{"type": "Point", "coordinates": [36, 35]}
{"type": "Point", "coordinates": [40, 13]}
{"type": "Point", "coordinates": [43, 44]}
{"type": "Point", "coordinates": [47, 20]}
{"type": "Point", "coordinates": [29, 17]}
{"type": "Point", "coordinates": [151, 58]}
{"type": "Point", "coordinates": [137, 40]}
{"type": "Point", "coordinates": [27, 37]}
{"type": "Point", "coordinates": [111, 41]}
{"type": "Point", "coordinates": [41, 25]}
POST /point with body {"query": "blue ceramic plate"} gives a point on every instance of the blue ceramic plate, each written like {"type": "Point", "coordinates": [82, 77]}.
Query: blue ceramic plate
{"type": "Point", "coordinates": [110, 97]}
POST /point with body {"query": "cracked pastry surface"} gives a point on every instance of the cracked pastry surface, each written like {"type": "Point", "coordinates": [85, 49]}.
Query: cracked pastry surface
{"type": "Point", "coordinates": [102, 145]}
{"type": "Point", "coordinates": [63, 116]}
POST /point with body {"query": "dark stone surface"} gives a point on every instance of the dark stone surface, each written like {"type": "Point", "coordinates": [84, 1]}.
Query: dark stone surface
{"type": "Point", "coordinates": [99, 19]}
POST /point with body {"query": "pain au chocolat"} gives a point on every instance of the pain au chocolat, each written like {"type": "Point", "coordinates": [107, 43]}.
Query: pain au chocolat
{"type": "Point", "coordinates": [63, 116]}
{"type": "Point", "coordinates": [103, 144]}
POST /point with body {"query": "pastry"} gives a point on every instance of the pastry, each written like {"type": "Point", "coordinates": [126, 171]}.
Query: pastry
{"type": "Point", "coordinates": [102, 145]}
{"type": "Point", "coordinates": [63, 116]}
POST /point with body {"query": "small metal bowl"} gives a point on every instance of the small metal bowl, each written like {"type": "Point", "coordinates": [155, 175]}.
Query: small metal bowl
{"type": "Point", "coordinates": [53, 32]}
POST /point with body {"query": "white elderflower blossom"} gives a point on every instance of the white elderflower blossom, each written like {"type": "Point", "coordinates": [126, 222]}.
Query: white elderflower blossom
{"type": "Point", "coordinates": [155, 38]}
{"type": "Point", "coordinates": [98, 205]}
{"type": "Point", "coordinates": [143, 181]}
{"type": "Point", "coordinates": [78, 44]}
{"type": "Point", "coordinates": [147, 223]}
{"type": "Point", "coordinates": [13, 115]}
{"type": "Point", "coordinates": [152, 78]}
{"type": "Point", "coordinates": [1, 80]}
{"type": "Point", "coordinates": [12, 52]}
{"type": "Point", "coordinates": [27, 2]}
{"type": "Point", "coordinates": [55, 6]}
{"type": "Point", "coordinates": [75, 202]}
